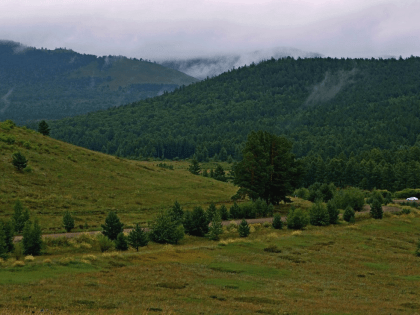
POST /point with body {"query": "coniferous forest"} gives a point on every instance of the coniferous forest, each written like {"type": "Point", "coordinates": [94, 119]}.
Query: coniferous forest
{"type": "Point", "coordinates": [352, 121]}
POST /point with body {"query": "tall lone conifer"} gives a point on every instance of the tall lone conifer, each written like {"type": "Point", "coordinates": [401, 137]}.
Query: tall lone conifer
{"type": "Point", "coordinates": [112, 226]}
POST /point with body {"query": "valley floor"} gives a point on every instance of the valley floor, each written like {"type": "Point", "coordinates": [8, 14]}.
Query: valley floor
{"type": "Point", "coordinates": [365, 268]}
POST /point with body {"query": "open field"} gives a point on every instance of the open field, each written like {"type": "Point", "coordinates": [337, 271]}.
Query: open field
{"type": "Point", "coordinates": [90, 184]}
{"type": "Point", "coordinates": [366, 268]}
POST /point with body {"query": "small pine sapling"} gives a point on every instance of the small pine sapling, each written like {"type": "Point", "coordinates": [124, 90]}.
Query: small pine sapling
{"type": "Point", "coordinates": [243, 228]}
{"type": "Point", "coordinates": [224, 213]}
{"type": "Point", "coordinates": [68, 221]}
{"type": "Point", "coordinates": [32, 238]}
{"type": "Point", "coordinates": [376, 209]}
{"type": "Point", "coordinates": [121, 242]}
{"type": "Point", "coordinates": [19, 161]}
{"type": "Point", "coordinates": [348, 215]}
{"type": "Point", "coordinates": [215, 228]}
{"type": "Point", "coordinates": [112, 226]}
{"type": "Point", "coordinates": [277, 222]}
{"type": "Point", "coordinates": [333, 212]}
{"type": "Point", "coordinates": [137, 237]}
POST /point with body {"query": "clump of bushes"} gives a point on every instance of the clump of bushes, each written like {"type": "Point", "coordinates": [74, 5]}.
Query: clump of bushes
{"type": "Point", "coordinates": [297, 219]}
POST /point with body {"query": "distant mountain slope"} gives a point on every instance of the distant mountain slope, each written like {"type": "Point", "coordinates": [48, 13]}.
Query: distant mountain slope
{"type": "Point", "coordinates": [51, 84]}
{"type": "Point", "coordinates": [327, 106]}
{"type": "Point", "coordinates": [203, 67]}
{"type": "Point", "coordinates": [89, 184]}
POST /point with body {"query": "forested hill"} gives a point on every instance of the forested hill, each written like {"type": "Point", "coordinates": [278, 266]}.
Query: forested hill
{"type": "Point", "coordinates": [51, 84]}
{"type": "Point", "coordinates": [328, 107]}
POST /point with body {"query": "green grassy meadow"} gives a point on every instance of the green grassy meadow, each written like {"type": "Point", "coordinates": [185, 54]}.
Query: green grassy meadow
{"type": "Point", "coordinates": [365, 268]}
{"type": "Point", "coordinates": [90, 184]}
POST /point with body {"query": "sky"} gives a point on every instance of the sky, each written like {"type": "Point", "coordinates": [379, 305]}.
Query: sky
{"type": "Point", "coordinates": [163, 29]}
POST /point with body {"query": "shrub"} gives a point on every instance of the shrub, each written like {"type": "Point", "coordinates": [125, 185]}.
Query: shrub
{"type": "Point", "coordinates": [121, 242]}
{"type": "Point", "coordinates": [417, 252]}
{"type": "Point", "coordinates": [297, 219]}
{"type": "Point", "coordinates": [406, 193]}
{"type": "Point", "coordinates": [68, 221]}
{"type": "Point", "coordinates": [112, 226]}
{"type": "Point", "coordinates": [18, 251]}
{"type": "Point", "coordinates": [19, 161]}
{"type": "Point", "coordinates": [18, 263]}
{"type": "Point", "coordinates": [176, 212]}
{"type": "Point", "coordinates": [348, 215]}
{"type": "Point", "coordinates": [3, 246]}
{"type": "Point", "coordinates": [104, 243]}
{"type": "Point", "coordinates": [318, 215]}
{"type": "Point", "coordinates": [29, 258]}
{"type": "Point", "coordinates": [352, 197]}
{"type": "Point", "coordinates": [165, 230]}
{"type": "Point", "coordinates": [43, 128]}
{"type": "Point", "coordinates": [277, 222]}
{"type": "Point", "coordinates": [137, 237]}
{"type": "Point", "coordinates": [243, 228]}
{"type": "Point", "coordinates": [302, 193]}
{"type": "Point", "coordinates": [376, 209]}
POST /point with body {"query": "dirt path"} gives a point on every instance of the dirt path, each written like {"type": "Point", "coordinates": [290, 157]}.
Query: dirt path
{"type": "Point", "coordinates": [366, 208]}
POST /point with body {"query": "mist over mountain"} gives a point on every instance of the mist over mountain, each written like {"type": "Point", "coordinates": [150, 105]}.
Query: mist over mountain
{"type": "Point", "coordinates": [50, 84]}
{"type": "Point", "coordinates": [203, 67]}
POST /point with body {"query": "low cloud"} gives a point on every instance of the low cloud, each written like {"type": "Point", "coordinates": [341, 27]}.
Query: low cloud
{"type": "Point", "coordinates": [330, 87]}
{"type": "Point", "coordinates": [5, 101]}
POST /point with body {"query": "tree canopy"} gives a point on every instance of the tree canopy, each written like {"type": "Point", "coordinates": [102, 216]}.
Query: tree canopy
{"type": "Point", "coordinates": [268, 170]}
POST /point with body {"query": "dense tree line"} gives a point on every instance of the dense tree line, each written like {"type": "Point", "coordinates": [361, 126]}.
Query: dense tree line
{"type": "Point", "coordinates": [329, 108]}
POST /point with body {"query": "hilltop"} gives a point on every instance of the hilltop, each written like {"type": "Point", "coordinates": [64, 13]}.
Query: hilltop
{"type": "Point", "coordinates": [50, 84]}
{"type": "Point", "coordinates": [89, 184]}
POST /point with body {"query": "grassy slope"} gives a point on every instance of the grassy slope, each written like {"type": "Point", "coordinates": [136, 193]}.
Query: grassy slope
{"type": "Point", "coordinates": [125, 72]}
{"type": "Point", "coordinates": [89, 184]}
{"type": "Point", "coordinates": [366, 268]}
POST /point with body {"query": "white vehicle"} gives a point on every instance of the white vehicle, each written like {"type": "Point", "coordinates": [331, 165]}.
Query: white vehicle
{"type": "Point", "coordinates": [412, 198]}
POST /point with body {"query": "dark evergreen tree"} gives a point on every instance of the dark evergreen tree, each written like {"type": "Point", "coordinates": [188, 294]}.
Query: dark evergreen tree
{"type": "Point", "coordinates": [20, 216]}
{"type": "Point", "coordinates": [205, 173]}
{"type": "Point", "coordinates": [32, 238]}
{"type": "Point", "coordinates": [235, 211]}
{"type": "Point", "coordinates": [268, 170]}
{"type": "Point", "coordinates": [3, 245]}
{"type": "Point", "coordinates": [194, 167]}
{"type": "Point", "coordinates": [223, 156]}
{"type": "Point", "coordinates": [68, 221]}
{"type": "Point", "coordinates": [121, 242]}
{"type": "Point", "coordinates": [224, 213]}
{"type": "Point", "coordinates": [112, 226]}
{"type": "Point", "coordinates": [277, 222]}
{"type": "Point", "coordinates": [197, 222]}
{"type": "Point", "coordinates": [176, 212]}
{"type": "Point", "coordinates": [43, 128]}
{"type": "Point", "coordinates": [243, 228]}
{"type": "Point", "coordinates": [219, 173]}
{"type": "Point", "coordinates": [9, 234]}
{"type": "Point", "coordinates": [211, 211]}
{"type": "Point", "coordinates": [376, 209]}
{"type": "Point", "coordinates": [349, 214]}
{"type": "Point", "coordinates": [333, 212]}
{"type": "Point", "coordinates": [137, 237]}
{"type": "Point", "coordinates": [318, 215]}
{"type": "Point", "coordinates": [216, 228]}
{"type": "Point", "coordinates": [19, 161]}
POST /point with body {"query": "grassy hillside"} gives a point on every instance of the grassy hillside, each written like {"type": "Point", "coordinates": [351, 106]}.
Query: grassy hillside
{"type": "Point", "coordinates": [51, 84]}
{"type": "Point", "coordinates": [365, 268]}
{"type": "Point", "coordinates": [89, 184]}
